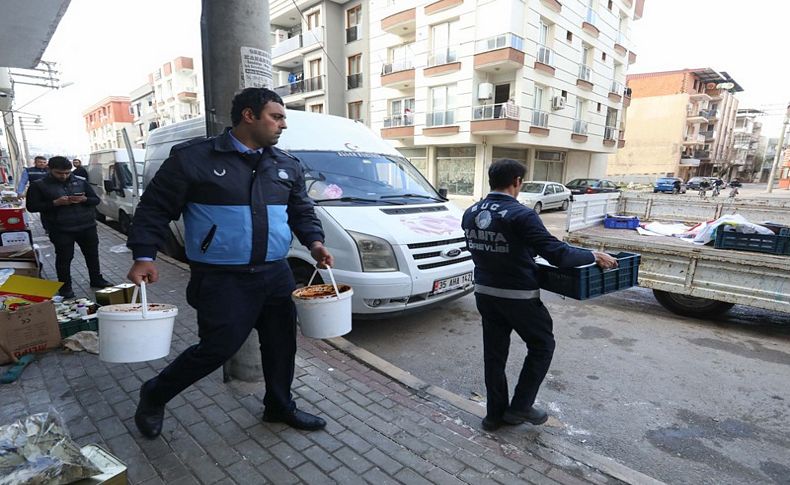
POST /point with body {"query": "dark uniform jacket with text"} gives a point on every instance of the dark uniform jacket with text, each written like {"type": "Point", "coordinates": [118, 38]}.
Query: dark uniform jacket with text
{"type": "Point", "coordinates": [64, 218]}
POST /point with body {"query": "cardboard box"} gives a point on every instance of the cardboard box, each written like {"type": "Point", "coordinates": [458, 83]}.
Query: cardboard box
{"type": "Point", "coordinates": [113, 471]}
{"type": "Point", "coordinates": [22, 268]}
{"type": "Point", "coordinates": [128, 291]}
{"type": "Point", "coordinates": [32, 328]}
{"type": "Point", "coordinates": [16, 238]}
{"type": "Point", "coordinates": [110, 296]}
{"type": "Point", "coordinates": [32, 289]}
{"type": "Point", "coordinates": [12, 218]}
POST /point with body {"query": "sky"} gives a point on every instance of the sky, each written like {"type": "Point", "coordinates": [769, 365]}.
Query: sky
{"type": "Point", "coordinates": [108, 47]}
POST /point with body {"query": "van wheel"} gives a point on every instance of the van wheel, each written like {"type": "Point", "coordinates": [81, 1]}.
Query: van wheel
{"type": "Point", "coordinates": [124, 222]}
{"type": "Point", "coordinates": [100, 217]}
{"type": "Point", "coordinates": [537, 208]}
{"type": "Point", "coordinates": [565, 205]}
{"type": "Point", "coordinates": [691, 306]}
{"type": "Point", "coordinates": [173, 249]}
{"type": "Point", "coordinates": [302, 273]}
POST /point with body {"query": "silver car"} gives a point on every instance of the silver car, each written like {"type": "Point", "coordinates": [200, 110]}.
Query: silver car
{"type": "Point", "coordinates": [544, 195]}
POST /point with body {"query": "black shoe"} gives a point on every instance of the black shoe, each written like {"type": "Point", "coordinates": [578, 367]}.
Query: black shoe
{"type": "Point", "coordinates": [100, 282]}
{"type": "Point", "coordinates": [532, 415]}
{"type": "Point", "coordinates": [66, 292]}
{"type": "Point", "coordinates": [491, 424]}
{"type": "Point", "coordinates": [296, 419]}
{"type": "Point", "coordinates": [148, 417]}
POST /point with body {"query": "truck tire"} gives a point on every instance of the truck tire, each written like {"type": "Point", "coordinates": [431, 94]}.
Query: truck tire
{"type": "Point", "coordinates": [691, 306]}
{"type": "Point", "coordinates": [538, 207]}
{"type": "Point", "coordinates": [302, 273]}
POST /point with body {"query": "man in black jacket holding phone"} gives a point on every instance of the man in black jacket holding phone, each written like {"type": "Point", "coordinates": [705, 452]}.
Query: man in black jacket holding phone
{"type": "Point", "coordinates": [68, 210]}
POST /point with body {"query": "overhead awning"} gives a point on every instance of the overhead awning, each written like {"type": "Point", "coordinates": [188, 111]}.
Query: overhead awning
{"type": "Point", "coordinates": [26, 27]}
{"type": "Point", "coordinates": [689, 162]}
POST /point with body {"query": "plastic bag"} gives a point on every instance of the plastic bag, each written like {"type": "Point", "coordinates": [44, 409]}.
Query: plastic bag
{"type": "Point", "coordinates": [37, 450]}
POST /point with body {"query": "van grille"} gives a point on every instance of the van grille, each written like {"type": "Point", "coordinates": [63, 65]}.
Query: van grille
{"type": "Point", "coordinates": [433, 254]}
{"type": "Point", "coordinates": [444, 263]}
{"type": "Point", "coordinates": [414, 210]}
{"type": "Point", "coordinates": [432, 244]}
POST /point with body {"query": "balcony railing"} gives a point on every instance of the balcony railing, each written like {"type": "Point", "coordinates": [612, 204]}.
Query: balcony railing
{"type": "Point", "coordinates": [397, 66]}
{"type": "Point", "coordinates": [353, 33]}
{"type": "Point", "coordinates": [495, 111]}
{"type": "Point", "coordinates": [286, 46]}
{"type": "Point", "coordinates": [540, 119]}
{"type": "Point", "coordinates": [585, 73]}
{"type": "Point", "coordinates": [591, 17]}
{"type": "Point", "coordinates": [314, 84]}
{"type": "Point", "coordinates": [500, 42]}
{"type": "Point", "coordinates": [399, 120]}
{"type": "Point", "coordinates": [579, 127]}
{"type": "Point", "coordinates": [313, 37]}
{"type": "Point", "coordinates": [298, 87]}
{"type": "Point", "coordinates": [617, 88]}
{"type": "Point", "coordinates": [695, 138]}
{"type": "Point", "coordinates": [702, 154]}
{"type": "Point", "coordinates": [707, 113]}
{"type": "Point", "coordinates": [440, 118]}
{"type": "Point", "coordinates": [610, 133]}
{"type": "Point", "coordinates": [708, 134]}
{"type": "Point", "coordinates": [354, 80]}
{"type": "Point", "coordinates": [442, 56]}
{"type": "Point", "coordinates": [545, 55]}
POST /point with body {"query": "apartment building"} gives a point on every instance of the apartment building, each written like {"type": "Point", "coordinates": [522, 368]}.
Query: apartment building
{"type": "Point", "coordinates": [456, 84]}
{"type": "Point", "coordinates": [178, 93]}
{"type": "Point", "coordinates": [144, 114]}
{"type": "Point", "coordinates": [105, 120]}
{"type": "Point", "coordinates": [680, 123]}
{"type": "Point", "coordinates": [320, 57]}
{"type": "Point", "coordinates": [747, 158]}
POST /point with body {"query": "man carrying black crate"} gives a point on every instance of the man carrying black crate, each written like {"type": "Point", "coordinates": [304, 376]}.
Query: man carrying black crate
{"type": "Point", "coordinates": [504, 237]}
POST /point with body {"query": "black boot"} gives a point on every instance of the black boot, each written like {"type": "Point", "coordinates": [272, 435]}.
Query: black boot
{"type": "Point", "coordinates": [65, 291]}
{"type": "Point", "coordinates": [149, 416]}
{"type": "Point", "coordinates": [100, 282]}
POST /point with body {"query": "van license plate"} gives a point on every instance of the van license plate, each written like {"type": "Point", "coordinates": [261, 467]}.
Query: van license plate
{"type": "Point", "coordinates": [447, 284]}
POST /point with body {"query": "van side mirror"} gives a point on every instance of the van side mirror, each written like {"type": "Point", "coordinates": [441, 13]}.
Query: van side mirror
{"type": "Point", "coordinates": [443, 193]}
{"type": "Point", "coordinates": [109, 186]}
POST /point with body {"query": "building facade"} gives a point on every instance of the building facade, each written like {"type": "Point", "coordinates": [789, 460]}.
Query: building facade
{"type": "Point", "coordinates": [105, 120]}
{"type": "Point", "coordinates": [178, 93]}
{"type": "Point", "coordinates": [144, 114]}
{"type": "Point", "coordinates": [680, 123]}
{"type": "Point", "coordinates": [747, 156]}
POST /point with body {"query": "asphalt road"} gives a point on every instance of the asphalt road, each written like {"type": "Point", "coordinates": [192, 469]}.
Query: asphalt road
{"type": "Point", "coordinates": [683, 400]}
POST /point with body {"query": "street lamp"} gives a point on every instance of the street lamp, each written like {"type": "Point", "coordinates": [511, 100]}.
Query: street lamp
{"type": "Point", "coordinates": [24, 122]}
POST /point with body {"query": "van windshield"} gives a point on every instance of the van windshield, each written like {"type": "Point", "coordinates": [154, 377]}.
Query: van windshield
{"type": "Point", "coordinates": [363, 178]}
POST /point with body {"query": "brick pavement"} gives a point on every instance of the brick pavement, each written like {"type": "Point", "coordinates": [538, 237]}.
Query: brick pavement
{"type": "Point", "coordinates": [379, 431]}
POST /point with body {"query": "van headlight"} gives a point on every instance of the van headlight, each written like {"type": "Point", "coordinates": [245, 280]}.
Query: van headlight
{"type": "Point", "coordinates": [375, 253]}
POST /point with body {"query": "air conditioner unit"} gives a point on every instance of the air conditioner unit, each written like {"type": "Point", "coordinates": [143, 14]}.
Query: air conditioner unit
{"type": "Point", "coordinates": [485, 91]}
{"type": "Point", "coordinates": [557, 102]}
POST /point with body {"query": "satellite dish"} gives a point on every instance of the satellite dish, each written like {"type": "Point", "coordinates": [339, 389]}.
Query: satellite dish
{"type": "Point", "coordinates": [725, 85]}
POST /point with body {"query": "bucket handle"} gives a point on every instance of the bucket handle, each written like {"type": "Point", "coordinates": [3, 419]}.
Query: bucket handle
{"type": "Point", "coordinates": [143, 297]}
{"type": "Point", "coordinates": [331, 276]}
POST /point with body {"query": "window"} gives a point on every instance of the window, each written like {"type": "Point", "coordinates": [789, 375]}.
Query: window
{"type": "Point", "coordinates": [549, 166]}
{"type": "Point", "coordinates": [355, 110]}
{"type": "Point", "coordinates": [401, 113]}
{"type": "Point", "coordinates": [455, 169]}
{"type": "Point", "coordinates": [400, 58]}
{"type": "Point", "coordinates": [313, 20]}
{"type": "Point", "coordinates": [603, 56]}
{"type": "Point", "coordinates": [610, 5]}
{"type": "Point", "coordinates": [543, 33]}
{"type": "Point", "coordinates": [444, 39]}
{"type": "Point", "coordinates": [442, 106]}
{"type": "Point", "coordinates": [599, 107]}
{"type": "Point", "coordinates": [580, 105]}
{"type": "Point", "coordinates": [418, 157]}
{"type": "Point", "coordinates": [315, 81]}
{"type": "Point", "coordinates": [355, 71]}
{"type": "Point", "coordinates": [353, 23]}
{"type": "Point", "coordinates": [537, 100]}
{"type": "Point", "coordinates": [317, 108]}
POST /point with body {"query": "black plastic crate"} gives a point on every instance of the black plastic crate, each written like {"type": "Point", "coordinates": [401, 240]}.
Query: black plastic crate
{"type": "Point", "coordinates": [584, 282]}
{"type": "Point", "coordinates": [68, 329]}
{"type": "Point", "coordinates": [759, 243]}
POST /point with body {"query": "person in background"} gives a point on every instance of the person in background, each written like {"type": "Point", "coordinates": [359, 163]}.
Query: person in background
{"type": "Point", "coordinates": [67, 206]}
{"type": "Point", "coordinates": [504, 237]}
{"type": "Point", "coordinates": [31, 174]}
{"type": "Point", "coordinates": [79, 170]}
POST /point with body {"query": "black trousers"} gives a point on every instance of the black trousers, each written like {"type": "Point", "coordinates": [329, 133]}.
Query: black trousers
{"type": "Point", "coordinates": [229, 305]}
{"type": "Point", "coordinates": [532, 322]}
{"type": "Point", "coordinates": [87, 239]}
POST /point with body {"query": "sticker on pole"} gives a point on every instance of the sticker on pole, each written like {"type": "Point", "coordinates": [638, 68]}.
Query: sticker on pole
{"type": "Point", "coordinates": [256, 68]}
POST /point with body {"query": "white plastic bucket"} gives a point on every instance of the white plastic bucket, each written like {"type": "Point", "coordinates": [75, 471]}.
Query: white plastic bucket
{"type": "Point", "coordinates": [321, 313]}
{"type": "Point", "coordinates": [135, 332]}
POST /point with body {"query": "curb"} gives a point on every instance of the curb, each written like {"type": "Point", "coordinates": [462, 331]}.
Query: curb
{"type": "Point", "coordinates": [593, 460]}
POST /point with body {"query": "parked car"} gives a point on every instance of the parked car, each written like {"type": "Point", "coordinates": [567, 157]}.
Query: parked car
{"type": "Point", "coordinates": [591, 186]}
{"type": "Point", "coordinates": [544, 195]}
{"type": "Point", "coordinates": [672, 185]}
{"type": "Point", "coordinates": [694, 182]}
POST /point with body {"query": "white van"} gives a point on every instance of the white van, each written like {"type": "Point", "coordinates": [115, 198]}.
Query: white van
{"type": "Point", "coordinates": [395, 240]}
{"type": "Point", "coordinates": [113, 179]}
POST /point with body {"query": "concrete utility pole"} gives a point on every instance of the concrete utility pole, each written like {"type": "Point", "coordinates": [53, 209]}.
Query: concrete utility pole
{"type": "Point", "coordinates": [236, 55]}
{"type": "Point", "coordinates": [778, 156]}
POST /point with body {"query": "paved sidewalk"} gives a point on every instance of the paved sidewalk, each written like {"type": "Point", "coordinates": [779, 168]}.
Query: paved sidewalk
{"type": "Point", "coordinates": [379, 430]}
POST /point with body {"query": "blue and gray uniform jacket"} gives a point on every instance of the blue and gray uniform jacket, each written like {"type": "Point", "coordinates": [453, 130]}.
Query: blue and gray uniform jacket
{"type": "Point", "coordinates": [238, 209]}
{"type": "Point", "coordinates": [504, 237]}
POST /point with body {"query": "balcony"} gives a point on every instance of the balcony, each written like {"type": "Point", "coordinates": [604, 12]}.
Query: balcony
{"type": "Point", "coordinates": [694, 139]}
{"type": "Point", "coordinates": [590, 23]}
{"type": "Point", "coordinates": [627, 97]}
{"type": "Point", "coordinates": [189, 96]}
{"type": "Point", "coordinates": [442, 61]}
{"type": "Point", "coordinates": [699, 97]}
{"type": "Point", "coordinates": [401, 23]}
{"type": "Point", "coordinates": [540, 123]}
{"type": "Point", "coordinates": [300, 87]}
{"type": "Point", "coordinates": [312, 39]}
{"type": "Point", "coordinates": [440, 5]}
{"type": "Point", "coordinates": [610, 134]}
{"type": "Point", "coordinates": [398, 126]}
{"type": "Point", "coordinates": [694, 116]}
{"type": "Point", "coordinates": [354, 81]}
{"type": "Point", "coordinates": [501, 52]}
{"type": "Point", "coordinates": [619, 44]}
{"type": "Point", "coordinates": [713, 115]}
{"type": "Point", "coordinates": [579, 131]}
{"type": "Point", "coordinates": [702, 154]}
{"type": "Point", "coordinates": [287, 46]}
{"type": "Point", "coordinates": [493, 119]}
{"type": "Point", "coordinates": [709, 134]}
{"type": "Point", "coordinates": [353, 33]}
{"type": "Point", "coordinates": [616, 91]}
{"type": "Point", "coordinates": [584, 80]}
{"type": "Point", "coordinates": [553, 5]}
{"type": "Point", "coordinates": [544, 60]}
{"type": "Point", "coordinates": [398, 74]}
{"type": "Point", "coordinates": [440, 123]}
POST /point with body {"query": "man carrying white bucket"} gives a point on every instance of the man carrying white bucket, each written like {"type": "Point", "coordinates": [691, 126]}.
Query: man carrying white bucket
{"type": "Point", "coordinates": [240, 198]}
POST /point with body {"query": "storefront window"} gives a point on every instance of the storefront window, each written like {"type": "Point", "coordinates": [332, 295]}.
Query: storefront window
{"type": "Point", "coordinates": [549, 166]}
{"type": "Point", "coordinates": [418, 157]}
{"type": "Point", "coordinates": [455, 168]}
